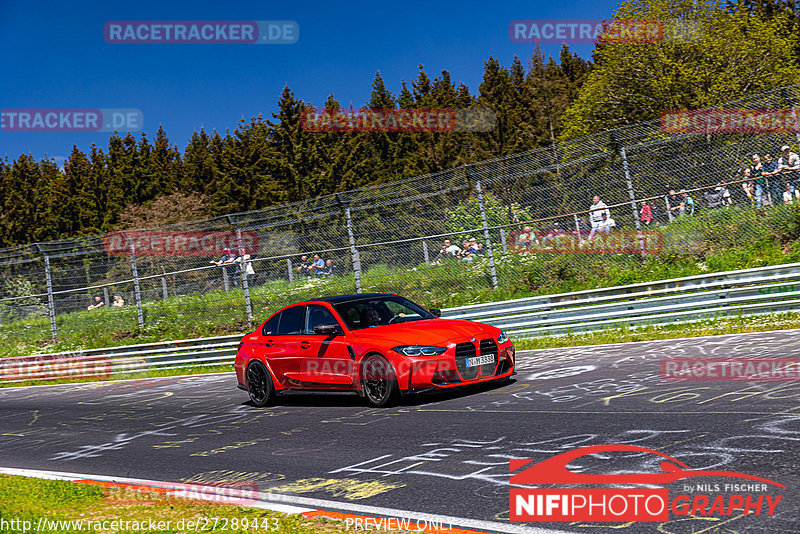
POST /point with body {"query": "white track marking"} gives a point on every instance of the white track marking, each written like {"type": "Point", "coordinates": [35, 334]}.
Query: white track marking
{"type": "Point", "coordinates": [291, 504]}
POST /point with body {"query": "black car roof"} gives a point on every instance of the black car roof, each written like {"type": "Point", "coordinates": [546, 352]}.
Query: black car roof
{"type": "Point", "coordinates": [355, 296]}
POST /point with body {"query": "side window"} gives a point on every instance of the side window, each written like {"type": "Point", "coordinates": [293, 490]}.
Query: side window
{"type": "Point", "coordinates": [271, 326]}
{"type": "Point", "coordinates": [318, 315]}
{"type": "Point", "coordinates": [292, 321]}
{"type": "Point", "coordinates": [352, 317]}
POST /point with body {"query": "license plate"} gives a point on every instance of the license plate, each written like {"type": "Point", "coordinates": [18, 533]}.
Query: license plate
{"type": "Point", "coordinates": [481, 360]}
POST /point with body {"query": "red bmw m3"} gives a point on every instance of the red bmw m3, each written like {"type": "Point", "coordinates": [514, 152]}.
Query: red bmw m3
{"type": "Point", "coordinates": [377, 345]}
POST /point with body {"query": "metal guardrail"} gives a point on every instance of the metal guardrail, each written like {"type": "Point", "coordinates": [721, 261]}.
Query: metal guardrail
{"type": "Point", "coordinates": [751, 291]}
{"type": "Point", "coordinates": [694, 298]}
{"type": "Point", "coordinates": [128, 359]}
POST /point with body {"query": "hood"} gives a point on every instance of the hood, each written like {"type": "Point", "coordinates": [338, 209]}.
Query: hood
{"type": "Point", "coordinates": [429, 332]}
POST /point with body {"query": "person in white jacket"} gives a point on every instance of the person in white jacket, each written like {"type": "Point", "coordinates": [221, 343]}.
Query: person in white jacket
{"type": "Point", "coordinates": [596, 212]}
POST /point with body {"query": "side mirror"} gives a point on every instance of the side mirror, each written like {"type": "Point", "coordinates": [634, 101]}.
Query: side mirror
{"type": "Point", "coordinates": [436, 312]}
{"type": "Point", "coordinates": [328, 330]}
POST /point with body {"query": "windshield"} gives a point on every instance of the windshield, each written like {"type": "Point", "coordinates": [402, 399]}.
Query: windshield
{"type": "Point", "coordinates": [379, 311]}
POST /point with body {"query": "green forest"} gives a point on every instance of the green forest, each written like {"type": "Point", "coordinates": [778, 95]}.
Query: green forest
{"type": "Point", "coordinates": [744, 47]}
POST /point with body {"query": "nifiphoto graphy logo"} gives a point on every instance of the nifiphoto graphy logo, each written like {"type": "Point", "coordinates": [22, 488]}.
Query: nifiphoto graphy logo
{"type": "Point", "coordinates": [622, 503]}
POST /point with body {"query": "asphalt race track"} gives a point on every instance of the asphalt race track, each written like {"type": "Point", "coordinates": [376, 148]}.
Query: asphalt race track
{"type": "Point", "coordinates": [443, 455]}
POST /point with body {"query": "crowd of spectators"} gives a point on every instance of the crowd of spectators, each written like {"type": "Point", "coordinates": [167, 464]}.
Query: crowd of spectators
{"type": "Point", "coordinates": [769, 182]}
{"type": "Point", "coordinates": [232, 264]}
{"type": "Point", "coordinates": [317, 267]}
{"type": "Point", "coordinates": [118, 302]}
{"type": "Point", "coordinates": [468, 251]}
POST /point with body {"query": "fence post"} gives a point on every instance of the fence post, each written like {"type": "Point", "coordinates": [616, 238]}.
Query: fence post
{"type": "Point", "coordinates": [578, 227]}
{"type": "Point", "coordinates": [503, 239]}
{"type": "Point", "coordinates": [164, 287]}
{"type": "Point", "coordinates": [631, 194]}
{"type": "Point", "coordinates": [425, 252]}
{"type": "Point", "coordinates": [669, 211]}
{"type": "Point", "coordinates": [486, 235]}
{"type": "Point", "coordinates": [289, 269]}
{"type": "Point", "coordinates": [353, 250]}
{"type": "Point", "coordinates": [136, 291]}
{"type": "Point", "coordinates": [243, 269]}
{"type": "Point", "coordinates": [106, 297]}
{"type": "Point", "coordinates": [225, 281]}
{"type": "Point", "coordinates": [51, 306]}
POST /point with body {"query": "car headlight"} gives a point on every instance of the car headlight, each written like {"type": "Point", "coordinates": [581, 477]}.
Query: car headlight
{"type": "Point", "coordinates": [419, 350]}
{"type": "Point", "coordinates": [502, 338]}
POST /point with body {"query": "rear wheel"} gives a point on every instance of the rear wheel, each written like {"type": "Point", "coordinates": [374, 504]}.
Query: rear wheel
{"type": "Point", "coordinates": [378, 381]}
{"type": "Point", "coordinates": [259, 384]}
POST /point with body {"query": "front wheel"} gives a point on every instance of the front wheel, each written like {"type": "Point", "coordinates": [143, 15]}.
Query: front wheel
{"type": "Point", "coordinates": [378, 381]}
{"type": "Point", "coordinates": [259, 384]}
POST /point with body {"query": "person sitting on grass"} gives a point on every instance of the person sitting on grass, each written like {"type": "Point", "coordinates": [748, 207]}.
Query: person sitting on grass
{"type": "Point", "coordinates": [329, 270]}
{"type": "Point", "coordinates": [305, 266]}
{"type": "Point", "coordinates": [606, 224]}
{"type": "Point", "coordinates": [98, 303]}
{"type": "Point", "coordinates": [526, 239]}
{"type": "Point", "coordinates": [318, 266]}
{"type": "Point", "coordinates": [118, 302]}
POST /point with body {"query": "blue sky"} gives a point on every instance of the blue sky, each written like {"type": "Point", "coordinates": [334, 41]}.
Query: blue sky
{"type": "Point", "coordinates": [54, 56]}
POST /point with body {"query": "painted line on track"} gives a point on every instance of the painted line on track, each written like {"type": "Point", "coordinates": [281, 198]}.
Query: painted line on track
{"type": "Point", "coordinates": [289, 504]}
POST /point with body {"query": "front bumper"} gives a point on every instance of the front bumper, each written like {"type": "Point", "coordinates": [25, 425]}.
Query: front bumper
{"type": "Point", "coordinates": [450, 370]}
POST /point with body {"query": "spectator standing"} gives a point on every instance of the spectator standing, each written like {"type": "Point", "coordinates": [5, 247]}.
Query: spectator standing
{"type": "Point", "coordinates": [226, 261]}
{"type": "Point", "coordinates": [770, 172]}
{"type": "Point", "coordinates": [688, 202]}
{"type": "Point", "coordinates": [646, 215]}
{"type": "Point", "coordinates": [788, 165]}
{"type": "Point", "coordinates": [249, 271]}
{"type": "Point", "coordinates": [596, 212]}
{"type": "Point", "coordinates": [676, 205]}
{"type": "Point", "coordinates": [118, 302]}
{"type": "Point", "coordinates": [318, 266]}
{"type": "Point", "coordinates": [748, 185]}
{"type": "Point", "coordinates": [98, 303]}
{"type": "Point", "coordinates": [756, 170]}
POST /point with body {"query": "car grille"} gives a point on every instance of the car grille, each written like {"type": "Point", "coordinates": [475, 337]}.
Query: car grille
{"type": "Point", "coordinates": [464, 351]}
{"type": "Point", "coordinates": [488, 346]}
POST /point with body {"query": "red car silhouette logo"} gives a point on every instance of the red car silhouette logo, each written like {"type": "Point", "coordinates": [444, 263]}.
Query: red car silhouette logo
{"type": "Point", "coordinates": [554, 470]}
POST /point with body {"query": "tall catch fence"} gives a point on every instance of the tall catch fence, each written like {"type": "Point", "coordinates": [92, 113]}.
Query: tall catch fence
{"type": "Point", "coordinates": [389, 237]}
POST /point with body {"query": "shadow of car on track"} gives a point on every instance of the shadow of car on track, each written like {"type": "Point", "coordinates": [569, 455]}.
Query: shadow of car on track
{"type": "Point", "coordinates": [327, 399]}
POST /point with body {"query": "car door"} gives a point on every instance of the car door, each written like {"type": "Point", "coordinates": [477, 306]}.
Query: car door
{"type": "Point", "coordinates": [325, 359]}
{"type": "Point", "coordinates": [283, 347]}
